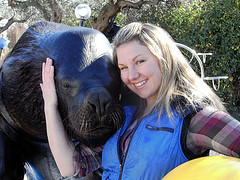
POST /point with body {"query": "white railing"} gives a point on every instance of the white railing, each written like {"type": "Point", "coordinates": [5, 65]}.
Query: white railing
{"type": "Point", "coordinates": [200, 62]}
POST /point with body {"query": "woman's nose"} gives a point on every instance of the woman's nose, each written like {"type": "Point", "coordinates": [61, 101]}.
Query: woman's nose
{"type": "Point", "coordinates": [133, 73]}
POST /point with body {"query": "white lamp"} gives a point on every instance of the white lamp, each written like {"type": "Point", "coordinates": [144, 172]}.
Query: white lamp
{"type": "Point", "coordinates": [82, 12]}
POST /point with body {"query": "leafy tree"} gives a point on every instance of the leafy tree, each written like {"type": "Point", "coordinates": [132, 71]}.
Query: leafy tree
{"type": "Point", "coordinates": [53, 10]}
{"type": "Point", "coordinates": [211, 26]}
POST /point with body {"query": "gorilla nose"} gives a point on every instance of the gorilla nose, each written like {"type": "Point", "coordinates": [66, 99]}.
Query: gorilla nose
{"type": "Point", "coordinates": [99, 101]}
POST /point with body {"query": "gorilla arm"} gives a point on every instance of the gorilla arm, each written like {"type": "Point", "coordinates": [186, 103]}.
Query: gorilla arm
{"type": "Point", "coordinates": [61, 146]}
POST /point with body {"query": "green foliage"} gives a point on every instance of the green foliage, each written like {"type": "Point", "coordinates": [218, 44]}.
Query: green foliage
{"type": "Point", "coordinates": [71, 20]}
{"type": "Point", "coordinates": [120, 19]}
{"type": "Point", "coordinates": [211, 26]}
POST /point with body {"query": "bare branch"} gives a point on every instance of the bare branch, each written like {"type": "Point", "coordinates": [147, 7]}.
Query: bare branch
{"type": "Point", "coordinates": [106, 17]}
{"type": "Point", "coordinates": [53, 12]}
{"type": "Point", "coordinates": [10, 22]}
{"type": "Point", "coordinates": [109, 12]}
{"type": "Point", "coordinates": [57, 11]}
{"type": "Point", "coordinates": [46, 14]}
{"type": "Point", "coordinates": [111, 1]}
{"type": "Point", "coordinates": [136, 5]}
{"type": "Point", "coordinates": [23, 4]}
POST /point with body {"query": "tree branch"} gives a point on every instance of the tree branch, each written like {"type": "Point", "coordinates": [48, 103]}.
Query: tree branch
{"type": "Point", "coordinates": [57, 11]}
{"type": "Point", "coordinates": [109, 12]}
{"type": "Point", "coordinates": [53, 12]}
{"type": "Point", "coordinates": [106, 16]}
{"type": "Point", "coordinates": [136, 5]}
{"type": "Point", "coordinates": [10, 22]}
{"type": "Point", "coordinates": [23, 4]}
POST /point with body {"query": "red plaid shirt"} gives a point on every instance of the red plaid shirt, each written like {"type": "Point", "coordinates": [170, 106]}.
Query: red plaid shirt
{"type": "Point", "coordinates": [215, 130]}
{"type": "Point", "coordinates": [86, 160]}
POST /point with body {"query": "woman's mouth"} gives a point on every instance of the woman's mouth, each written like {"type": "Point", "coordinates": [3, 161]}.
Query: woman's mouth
{"type": "Point", "coordinates": [140, 84]}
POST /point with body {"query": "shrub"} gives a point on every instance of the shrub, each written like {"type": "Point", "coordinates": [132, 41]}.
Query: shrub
{"type": "Point", "coordinates": [211, 26]}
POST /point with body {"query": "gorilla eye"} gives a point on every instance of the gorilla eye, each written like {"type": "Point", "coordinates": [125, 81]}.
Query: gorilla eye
{"type": "Point", "coordinates": [65, 85]}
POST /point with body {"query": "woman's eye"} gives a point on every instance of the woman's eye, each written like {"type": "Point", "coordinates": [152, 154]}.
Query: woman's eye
{"type": "Point", "coordinates": [140, 61]}
{"type": "Point", "coordinates": [122, 68]}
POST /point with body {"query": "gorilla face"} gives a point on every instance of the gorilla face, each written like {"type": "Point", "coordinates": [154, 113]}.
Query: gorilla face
{"type": "Point", "coordinates": [89, 102]}
{"type": "Point", "coordinates": [87, 82]}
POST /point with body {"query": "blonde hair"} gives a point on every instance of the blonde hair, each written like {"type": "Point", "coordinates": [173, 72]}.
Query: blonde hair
{"type": "Point", "coordinates": [180, 87]}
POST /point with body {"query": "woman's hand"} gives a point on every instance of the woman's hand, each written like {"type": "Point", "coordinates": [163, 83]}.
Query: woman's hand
{"type": "Point", "coordinates": [48, 84]}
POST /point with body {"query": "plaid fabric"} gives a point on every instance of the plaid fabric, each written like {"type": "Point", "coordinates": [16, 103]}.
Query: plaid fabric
{"type": "Point", "coordinates": [86, 160]}
{"type": "Point", "coordinates": [215, 130]}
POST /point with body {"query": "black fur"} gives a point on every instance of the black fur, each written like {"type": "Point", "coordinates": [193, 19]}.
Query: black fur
{"type": "Point", "coordinates": [87, 85]}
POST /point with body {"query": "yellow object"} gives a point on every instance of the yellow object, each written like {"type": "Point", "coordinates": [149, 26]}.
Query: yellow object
{"type": "Point", "coordinates": [207, 168]}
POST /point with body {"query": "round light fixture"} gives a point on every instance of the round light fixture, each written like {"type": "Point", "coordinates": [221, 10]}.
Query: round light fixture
{"type": "Point", "coordinates": [82, 12]}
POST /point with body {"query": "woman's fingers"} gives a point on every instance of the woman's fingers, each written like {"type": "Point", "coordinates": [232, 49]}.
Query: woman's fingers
{"type": "Point", "coordinates": [49, 65]}
{"type": "Point", "coordinates": [48, 84]}
{"type": "Point", "coordinates": [47, 70]}
{"type": "Point", "coordinates": [43, 71]}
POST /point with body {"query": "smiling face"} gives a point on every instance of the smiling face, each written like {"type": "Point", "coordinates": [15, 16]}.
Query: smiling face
{"type": "Point", "coordinates": [140, 70]}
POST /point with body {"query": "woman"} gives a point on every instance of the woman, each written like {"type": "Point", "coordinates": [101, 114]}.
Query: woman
{"type": "Point", "coordinates": [179, 117]}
